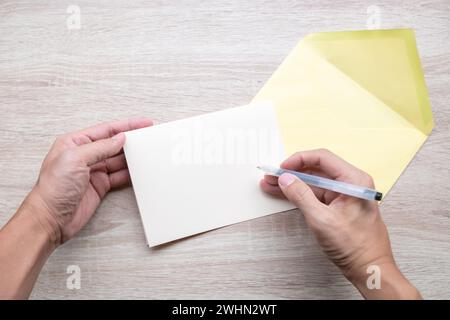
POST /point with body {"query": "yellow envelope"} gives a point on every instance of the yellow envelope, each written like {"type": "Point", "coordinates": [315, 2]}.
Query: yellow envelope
{"type": "Point", "coordinates": [360, 94]}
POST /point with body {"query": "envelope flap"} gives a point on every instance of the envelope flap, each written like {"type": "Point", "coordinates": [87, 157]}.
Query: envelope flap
{"type": "Point", "coordinates": [385, 63]}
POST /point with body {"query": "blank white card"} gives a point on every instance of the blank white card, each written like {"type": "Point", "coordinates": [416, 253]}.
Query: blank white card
{"type": "Point", "coordinates": [198, 174]}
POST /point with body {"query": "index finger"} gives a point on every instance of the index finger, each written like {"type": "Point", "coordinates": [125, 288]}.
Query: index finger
{"type": "Point", "coordinates": [110, 129]}
{"type": "Point", "coordinates": [330, 164]}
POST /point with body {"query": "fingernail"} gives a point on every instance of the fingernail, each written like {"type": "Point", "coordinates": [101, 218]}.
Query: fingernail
{"type": "Point", "coordinates": [118, 136]}
{"type": "Point", "coordinates": [286, 179]}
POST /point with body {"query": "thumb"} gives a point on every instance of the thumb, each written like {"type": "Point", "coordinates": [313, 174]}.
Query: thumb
{"type": "Point", "coordinates": [102, 149]}
{"type": "Point", "coordinates": [298, 193]}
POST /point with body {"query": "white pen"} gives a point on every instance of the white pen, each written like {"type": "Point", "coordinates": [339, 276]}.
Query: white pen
{"type": "Point", "coordinates": [324, 183]}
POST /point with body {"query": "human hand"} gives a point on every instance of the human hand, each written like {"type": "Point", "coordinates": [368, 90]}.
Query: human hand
{"type": "Point", "coordinates": [349, 230]}
{"type": "Point", "coordinates": [76, 174]}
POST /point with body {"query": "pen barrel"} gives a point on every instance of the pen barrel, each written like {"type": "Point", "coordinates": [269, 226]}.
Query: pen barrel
{"type": "Point", "coordinates": [338, 186]}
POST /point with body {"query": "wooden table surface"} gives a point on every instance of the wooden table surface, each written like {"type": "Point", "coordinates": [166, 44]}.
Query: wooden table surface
{"type": "Point", "coordinates": [172, 59]}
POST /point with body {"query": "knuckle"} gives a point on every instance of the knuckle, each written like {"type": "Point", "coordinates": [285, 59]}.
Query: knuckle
{"type": "Point", "coordinates": [295, 155]}
{"type": "Point", "coordinates": [324, 151]}
{"type": "Point", "coordinates": [102, 149]}
{"type": "Point", "coordinates": [106, 165]}
{"type": "Point", "coordinates": [300, 194]}
{"type": "Point", "coordinates": [70, 156]}
{"type": "Point", "coordinates": [104, 146]}
{"type": "Point", "coordinates": [62, 138]}
{"type": "Point", "coordinates": [110, 128]}
{"type": "Point", "coordinates": [367, 179]}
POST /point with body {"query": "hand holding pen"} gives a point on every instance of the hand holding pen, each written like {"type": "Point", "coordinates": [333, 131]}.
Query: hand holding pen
{"type": "Point", "coordinates": [350, 230]}
{"type": "Point", "coordinates": [328, 184]}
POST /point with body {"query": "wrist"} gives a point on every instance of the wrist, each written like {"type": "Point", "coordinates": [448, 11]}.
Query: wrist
{"type": "Point", "coordinates": [36, 209]}
{"type": "Point", "coordinates": [25, 244]}
{"type": "Point", "coordinates": [382, 279]}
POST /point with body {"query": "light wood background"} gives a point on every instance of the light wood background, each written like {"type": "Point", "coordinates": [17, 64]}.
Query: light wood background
{"type": "Point", "coordinates": [172, 59]}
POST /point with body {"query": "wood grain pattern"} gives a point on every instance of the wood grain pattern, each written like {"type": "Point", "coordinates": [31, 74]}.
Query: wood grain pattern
{"type": "Point", "coordinates": [170, 60]}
